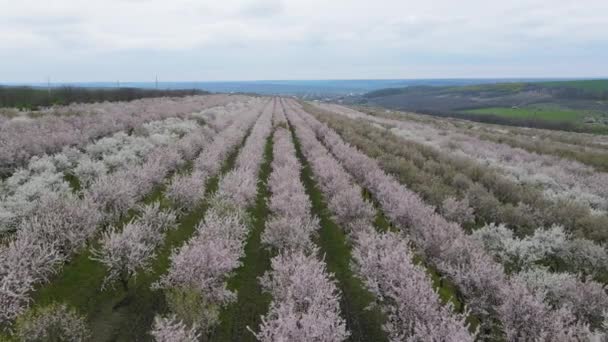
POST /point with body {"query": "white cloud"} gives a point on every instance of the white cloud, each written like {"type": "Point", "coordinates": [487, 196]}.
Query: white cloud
{"type": "Point", "coordinates": [365, 36]}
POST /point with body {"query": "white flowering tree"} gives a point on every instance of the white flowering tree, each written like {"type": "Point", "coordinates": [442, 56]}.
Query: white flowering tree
{"type": "Point", "coordinates": [169, 329]}
{"type": "Point", "coordinates": [306, 301]}
{"type": "Point", "coordinates": [129, 250]}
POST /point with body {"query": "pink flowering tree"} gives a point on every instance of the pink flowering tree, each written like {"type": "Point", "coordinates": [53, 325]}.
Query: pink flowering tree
{"type": "Point", "coordinates": [306, 303]}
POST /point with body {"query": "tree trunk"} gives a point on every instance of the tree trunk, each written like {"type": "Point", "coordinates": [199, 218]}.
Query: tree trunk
{"type": "Point", "coordinates": [124, 280]}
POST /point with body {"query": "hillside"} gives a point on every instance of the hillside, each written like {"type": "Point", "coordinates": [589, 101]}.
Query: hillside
{"type": "Point", "coordinates": [566, 105]}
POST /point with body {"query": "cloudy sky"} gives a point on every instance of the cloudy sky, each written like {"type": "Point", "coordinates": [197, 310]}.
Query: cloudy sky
{"type": "Point", "coordinates": [187, 40]}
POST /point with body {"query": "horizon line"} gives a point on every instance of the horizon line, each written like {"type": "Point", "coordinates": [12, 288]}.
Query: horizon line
{"type": "Point", "coordinates": [582, 78]}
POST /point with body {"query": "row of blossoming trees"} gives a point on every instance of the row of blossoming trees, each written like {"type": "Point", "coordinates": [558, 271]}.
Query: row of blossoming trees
{"type": "Point", "coordinates": [46, 173]}
{"type": "Point", "coordinates": [382, 260]}
{"type": "Point", "coordinates": [305, 299]}
{"type": "Point", "coordinates": [550, 259]}
{"type": "Point", "coordinates": [30, 134]}
{"type": "Point", "coordinates": [65, 222]}
{"type": "Point", "coordinates": [566, 270]}
{"type": "Point", "coordinates": [475, 195]}
{"type": "Point", "coordinates": [520, 307]}
{"type": "Point", "coordinates": [104, 212]}
{"type": "Point", "coordinates": [513, 185]}
{"type": "Point", "coordinates": [201, 267]}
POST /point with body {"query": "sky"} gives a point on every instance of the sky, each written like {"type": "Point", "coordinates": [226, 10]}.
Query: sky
{"type": "Point", "coordinates": [204, 40]}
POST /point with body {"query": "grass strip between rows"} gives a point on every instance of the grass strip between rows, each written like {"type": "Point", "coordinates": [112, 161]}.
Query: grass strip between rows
{"type": "Point", "coordinates": [363, 321]}
{"type": "Point", "coordinates": [251, 302]}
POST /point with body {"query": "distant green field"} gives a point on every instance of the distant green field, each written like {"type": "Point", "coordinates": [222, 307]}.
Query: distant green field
{"type": "Point", "coordinates": [532, 113]}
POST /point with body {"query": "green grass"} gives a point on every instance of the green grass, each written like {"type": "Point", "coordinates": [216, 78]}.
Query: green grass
{"type": "Point", "coordinates": [113, 314]}
{"type": "Point", "coordinates": [73, 181]}
{"type": "Point", "coordinates": [562, 115]}
{"type": "Point", "coordinates": [496, 89]}
{"type": "Point", "coordinates": [364, 324]}
{"type": "Point", "coordinates": [251, 302]}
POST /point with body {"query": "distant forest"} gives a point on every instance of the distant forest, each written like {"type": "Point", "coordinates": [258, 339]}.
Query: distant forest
{"type": "Point", "coordinates": [35, 97]}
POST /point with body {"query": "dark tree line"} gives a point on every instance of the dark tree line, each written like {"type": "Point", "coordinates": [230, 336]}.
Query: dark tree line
{"type": "Point", "coordinates": [35, 97]}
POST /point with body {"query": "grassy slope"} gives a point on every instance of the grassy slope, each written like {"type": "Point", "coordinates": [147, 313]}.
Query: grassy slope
{"type": "Point", "coordinates": [364, 324]}
{"type": "Point", "coordinates": [532, 113]}
{"type": "Point", "coordinates": [491, 92]}
{"type": "Point", "coordinates": [113, 314]}
{"type": "Point", "coordinates": [496, 89]}
{"type": "Point", "coordinates": [251, 302]}
{"type": "Point", "coordinates": [567, 110]}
